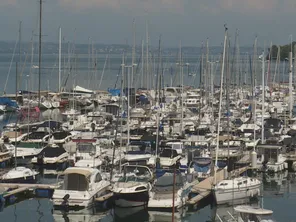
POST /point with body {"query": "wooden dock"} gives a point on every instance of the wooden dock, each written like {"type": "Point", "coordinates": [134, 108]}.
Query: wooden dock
{"type": "Point", "coordinates": [105, 197]}
{"type": "Point", "coordinates": [15, 189]}
{"type": "Point", "coordinates": [28, 186]}
{"type": "Point", "coordinates": [291, 156]}
{"type": "Point", "coordinates": [205, 187]}
{"type": "Point", "coordinates": [246, 159]}
{"type": "Point", "coordinates": [14, 192]}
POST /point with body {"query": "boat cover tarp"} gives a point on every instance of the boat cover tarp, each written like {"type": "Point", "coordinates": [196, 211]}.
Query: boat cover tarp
{"type": "Point", "coordinates": [114, 92]}
{"type": "Point", "coordinates": [82, 90]}
{"type": "Point", "coordinates": [53, 151]}
{"type": "Point", "coordinates": [8, 102]}
{"type": "Point", "coordinates": [76, 170]}
{"type": "Point", "coordinates": [25, 92]}
{"type": "Point", "coordinates": [50, 124]}
{"type": "Point", "coordinates": [202, 169]}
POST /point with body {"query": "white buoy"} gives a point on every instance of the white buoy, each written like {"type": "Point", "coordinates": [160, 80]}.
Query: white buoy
{"type": "Point", "coordinates": [225, 173]}
{"type": "Point", "coordinates": [294, 166]}
{"type": "Point", "coordinates": [254, 159]}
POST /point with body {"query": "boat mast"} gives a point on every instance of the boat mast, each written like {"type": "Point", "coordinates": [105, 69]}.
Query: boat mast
{"type": "Point", "coordinates": [291, 80]}
{"type": "Point", "coordinates": [40, 42]}
{"type": "Point", "coordinates": [133, 51]}
{"type": "Point", "coordinates": [60, 57]}
{"type": "Point", "coordinates": [142, 71]}
{"type": "Point", "coordinates": [182, 87]}
{"type": "Point", "coordinates": [220, 103]}
{"type": "Point", "coordinates": [15, 145]}
{"type": "Point", "coordinates": [20, 50]}
{"type": "Point", "coordinates": [263, 98]}
{"type": "Point", "coordinates": [121, 108]}
{"type": "Point", "coordinates": [147, 55]}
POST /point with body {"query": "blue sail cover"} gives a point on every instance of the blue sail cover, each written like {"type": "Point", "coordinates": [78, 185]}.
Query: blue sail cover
{"type": "Point", "coordinates": [114, 92]}
{"type": "Point", "coordinates": [51, 124]}
{"type": "Point", "coordinates": [8, 102]}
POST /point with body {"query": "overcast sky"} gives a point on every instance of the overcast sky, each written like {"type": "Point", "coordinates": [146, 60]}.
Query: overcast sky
{"type": "Point", "coordinates": [188, 21]}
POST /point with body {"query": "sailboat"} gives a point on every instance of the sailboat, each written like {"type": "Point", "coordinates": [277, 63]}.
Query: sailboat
{"type": "Point", "coordinates": [19, 174]}
{"type": "Point", "coordinates": [230, 190]}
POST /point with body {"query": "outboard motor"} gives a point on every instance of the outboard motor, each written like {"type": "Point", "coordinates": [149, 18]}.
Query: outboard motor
{"type": "Point", "coordinates": [93, 127]}
{"type": "Point", "coordinates": [65, 203]}
{"type": "Point", "coordinates": [40, 159]}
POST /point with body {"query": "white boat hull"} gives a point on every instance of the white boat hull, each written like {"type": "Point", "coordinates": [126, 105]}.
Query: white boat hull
{"type": "Point", "coordinates": [128, 203]}
{"type": "Point", "coordinates": [230, 195]}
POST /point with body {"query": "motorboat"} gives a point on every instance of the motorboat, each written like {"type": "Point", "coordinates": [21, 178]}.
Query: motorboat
{"type": "Point", "coordinates": [26, 151]}
{"type": "Point", "coordinates": [61, 137]}
{"type": "Point", "coordinates": [80, 188]}
{"type": "Point", "coordinates": [45, 104]}
{"type": "Point", "coordinates": [167, 158]}
{"type": "Point", "coordinates": [5, 155]}
{"type": "Point", "coordinates": [39, 136]}
{"type": "Point", "coordinates": [88, 154]}
{"type": "Point", "coordinates": [248, 213]}
{"type": "Point", "coordinates": [132, 189]}
{"type": "Point", "coordinates": [136, 154]}
{"type": "Point", "coordinates": [233, 190]}
{"type": "Point", "coordinates": [52, 157]}
{"type": "Point", "coordinates": [200, 167]}
{"type": "Point", "coordinates": [270, 158]}
{"type": "Point", "coordinates": [166, 186]}
{"type": "Point", "coordinates": [19, 175]}
{"type": "Point", "coordinates": [90, 216]}
{"type": "Point", "coordinates": [71, 113]}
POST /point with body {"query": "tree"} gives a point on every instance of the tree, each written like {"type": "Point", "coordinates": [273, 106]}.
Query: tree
{"type": "Point", "coordinates": [284, 51]}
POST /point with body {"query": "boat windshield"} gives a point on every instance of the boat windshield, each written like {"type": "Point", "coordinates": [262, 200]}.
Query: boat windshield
{"type": "Point", "coordinates": [30, 145]}
{"type": "Point", "coordinates": [136, 150]}
{"type": "Point", "coordinates": [3, 148]}
{"type": "Point", "coordinates": [254, 217]}
{"type": "Point", "coordinates": [53, 151]}
{"type": "Point", "coordinates": [75, 182]}
{"type": "Point", "coordinates": [135, 174]}
{"type": "Point", "coordinates": [166, 182]}
{"type": "Point", "coordinates": [86, 148]}
{"type": "Point", "coordinates": [169, 153]}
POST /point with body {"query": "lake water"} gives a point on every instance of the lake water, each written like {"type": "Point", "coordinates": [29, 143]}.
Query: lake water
{"type": "Point", "coordinates": [279, 192]}
{"type": "Point", "coordinates": [279, 196]}
{"type": "Point", "coordinates": [104, 72]}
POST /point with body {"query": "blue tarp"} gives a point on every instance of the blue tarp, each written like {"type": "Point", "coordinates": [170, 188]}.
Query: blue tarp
{"type": "Point", "coordinates": [25, 92]}
{"type": "Point", "coordinates": [114, 92]}
{"type": "Point", "coordinates": [143, 99]}
{"type": "Point", "coordinates": [202, 169]}
{"type": "Point", "coordinates": [50, 124]}
{"type": "Point", "coordinates": [8, 102]}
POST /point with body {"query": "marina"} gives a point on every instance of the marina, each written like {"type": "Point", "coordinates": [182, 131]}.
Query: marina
{"type": "Point", "coordinates": [146, 133]}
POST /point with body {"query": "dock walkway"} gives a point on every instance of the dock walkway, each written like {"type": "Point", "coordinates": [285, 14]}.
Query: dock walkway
{"type": "Point", "coordinates": [204, 188]}
{"type": "Point", "coordinates": [12, 189]}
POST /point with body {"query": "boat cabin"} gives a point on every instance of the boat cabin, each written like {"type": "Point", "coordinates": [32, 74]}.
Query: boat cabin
{"type": "Point", "coordinates": [79, 179]}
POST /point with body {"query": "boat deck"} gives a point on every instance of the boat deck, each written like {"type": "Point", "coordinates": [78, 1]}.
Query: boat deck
{"type": "Point", "coordinates": [204, 188]}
